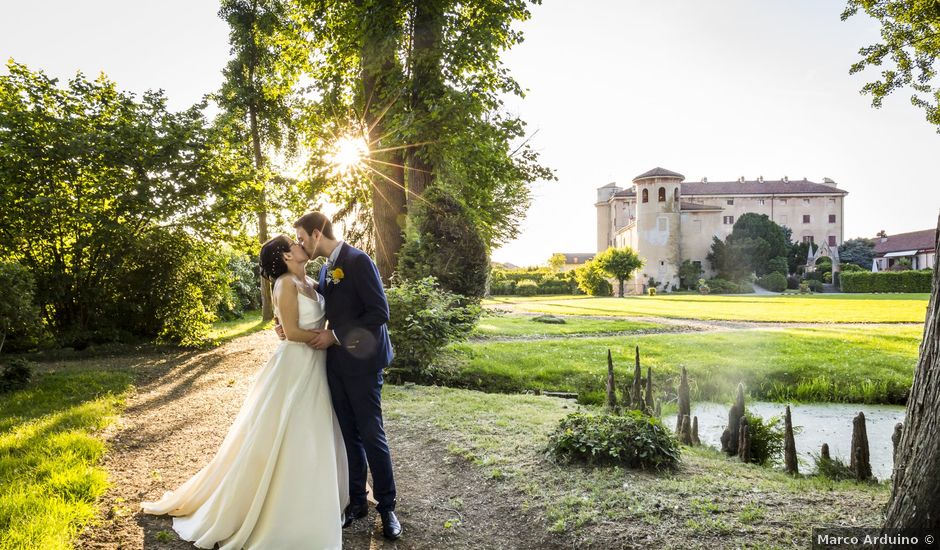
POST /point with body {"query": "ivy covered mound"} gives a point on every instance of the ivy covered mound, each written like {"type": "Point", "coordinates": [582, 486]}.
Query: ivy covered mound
{"type": "Point", "coordinates": [634, 440]}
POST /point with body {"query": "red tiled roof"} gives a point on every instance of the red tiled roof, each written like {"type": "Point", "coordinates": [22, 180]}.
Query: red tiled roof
{"type": "Point", "coordinates": [915, 240]}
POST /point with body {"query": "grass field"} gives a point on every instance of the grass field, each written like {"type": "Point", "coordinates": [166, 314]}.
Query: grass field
{"type": "Point", "coordinates": [49, 478]}
{"type": "Point", "coordinates": [817, 308]}
{"type": "Point", "coordinates": [831, 363]}
{"type": "Point", "coordinates": [223, 331]}
{"type": "Point", "coordinates": [710, 501]}
{"type": "Point", "coordinates": [521, 326]}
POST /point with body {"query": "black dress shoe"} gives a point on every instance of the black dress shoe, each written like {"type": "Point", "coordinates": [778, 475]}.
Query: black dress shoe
{"type": "Point", "coordinates": [354, 511]}
{"type": "Point", "coordinates": [391, 528]}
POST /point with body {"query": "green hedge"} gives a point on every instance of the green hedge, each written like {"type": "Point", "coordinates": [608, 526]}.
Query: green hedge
{"type": "Point", "coordinates": [507, 282]}
{"type": "Point", "coordinates": [887, 281]}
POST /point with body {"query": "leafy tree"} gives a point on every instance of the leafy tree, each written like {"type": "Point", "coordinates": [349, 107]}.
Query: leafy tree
{"type": "Point", "coordinates": [778, 265]}
{"type": "Point", "coordinates": [619, 263]}
{"type": "Point", "coordinates": [19, 316]}
{"type": "Point", "coordinates": [444, 243]}
{"type": "Point", "coordinates": [427, 78]}
{"type": "Point", "coordinates": [859, 251]}
{"type": "Point", "coordinates": [728, 260]}
{"type": "Point", "coordinates": [689, 274]}
{"type": "Point", "coordinates": [592, 279]}
{"type": "Point", "coordinates": [258, 96]}
{"type": "Point", "coordinates": [908, 51]}
{"type": "Point", "coordinates": [761, 239]}
{"type": "Point", "coordinates": [88, 172]}
{"type": "Point", "coordinates": [557, 261]}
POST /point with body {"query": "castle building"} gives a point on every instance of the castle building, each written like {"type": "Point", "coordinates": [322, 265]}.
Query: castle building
{"type": "Point", "coordinates": [667, 220]}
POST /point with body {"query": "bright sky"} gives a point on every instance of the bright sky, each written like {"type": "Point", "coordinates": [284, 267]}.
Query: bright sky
{"type": "Point", "coordinates": [722, 89]}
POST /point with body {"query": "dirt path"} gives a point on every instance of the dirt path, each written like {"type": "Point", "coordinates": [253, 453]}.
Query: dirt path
{"type": "Point", "coordinates": [180, 412]}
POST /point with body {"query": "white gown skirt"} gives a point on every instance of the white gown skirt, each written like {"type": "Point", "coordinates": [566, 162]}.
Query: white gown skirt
{"type": "Point", "coordinates": [280, 478]}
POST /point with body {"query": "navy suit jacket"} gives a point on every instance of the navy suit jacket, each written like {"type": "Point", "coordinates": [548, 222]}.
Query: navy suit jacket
{"type": "Point", "coordinates": [357, 311]}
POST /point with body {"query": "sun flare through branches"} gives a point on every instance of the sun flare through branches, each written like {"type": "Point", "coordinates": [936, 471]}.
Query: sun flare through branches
{"type": "Point", "coordinates": [347, 153]}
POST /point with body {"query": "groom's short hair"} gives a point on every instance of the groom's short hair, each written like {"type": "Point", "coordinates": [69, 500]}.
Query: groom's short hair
{"type": "Point", "coordinates": [315, 220]}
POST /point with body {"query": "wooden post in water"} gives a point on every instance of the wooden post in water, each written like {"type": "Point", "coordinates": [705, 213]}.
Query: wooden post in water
{"type": "Point", "coordinates": [734, 423]}
{"type": "Point", "coordinates": [636, 390]}
{"type": "Point", "coordinates": [860, 456]}
{"type": "Point", "coordinates": [611, 386]}
{"type": "Point", "coordinates": [791, 464]}
{"type": "Point", "coordinates": [695, 440]}
{"type": "Point", "coordinates": [649, 390]}
{"type": "Point", "coordinates": [824, 452]}
{"type": "Point", "coordinates": [744, 441]}
{"type": "Point", "coordinates": [685, 406]}
{"type": "Point", "coordinates": [685, 431]}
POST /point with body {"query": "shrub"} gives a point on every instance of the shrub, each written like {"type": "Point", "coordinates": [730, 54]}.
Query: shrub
{"type": "Point", "coordinates": [723, 286]}
{"type": "Point", "coordinates": [703, 287]}
{"type": "Point", "coordinates": [527, 287]}
{"type": "Point", "coordinates": [244, 287]}
{"type": "Point", "coordinates": [19, 317]}
{"type": "Point", "coordinates": [773, 281]}
{"type": "Point", "coordinates": [778, 265]}
{"type": "Point", "coordinates": [15, 375]}
{"type": "Point", "coordinates": [424, 318]}
{"type": "Point", "coordinates": [443, 242]}
{"type": "Point", "coordinates": [633, 440]}
{"type": "Point", "coordinates": [766, 438]}
{"type": "Point", "coordinates": [815, 286]}
{"type": "Point", "coordinates": [793, 282]}
{"type": "Point", "coordinates": [689, 274]}
{"type": "Point", "coordinates": [832, 468]}
{"type": "Point", "coordinates": [504, 282]}
{"type": "Point", "coordinates": [852, 268]}
{"type": "Point", "coordinates": [591, 280]}
{"type": "Point", "coordinates": [651, 291]}
{"type": "Point", "coordinates": [827, 277]}
{"type": "Point", "coordinates": [887, 281]}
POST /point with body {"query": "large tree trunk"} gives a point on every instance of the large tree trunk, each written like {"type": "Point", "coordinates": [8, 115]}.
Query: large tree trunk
{"type": "Point", "coordinates": [915, 501]}
{"type": "Point", "coordinates": [267, 308]}
{"type": "Point", "coordinates": [426, 90]}
{"type": "Point", "coordinates": [381, 74]}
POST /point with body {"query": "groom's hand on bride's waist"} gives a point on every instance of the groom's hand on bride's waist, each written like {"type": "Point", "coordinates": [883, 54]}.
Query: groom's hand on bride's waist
{"type": "Point", "coordinates": [322, 339]}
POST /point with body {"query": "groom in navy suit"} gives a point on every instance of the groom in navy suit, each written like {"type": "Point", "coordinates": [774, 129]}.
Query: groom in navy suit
{"type": "Point", "coordinates": [358, 349]}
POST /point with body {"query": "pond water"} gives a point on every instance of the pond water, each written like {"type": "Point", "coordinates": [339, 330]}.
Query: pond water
{"type": "Point", "coordinates": [821, 423]}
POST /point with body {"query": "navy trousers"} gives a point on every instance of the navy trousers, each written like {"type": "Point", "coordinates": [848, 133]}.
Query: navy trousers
{"type": "Point", "coordinates": [357, 401]}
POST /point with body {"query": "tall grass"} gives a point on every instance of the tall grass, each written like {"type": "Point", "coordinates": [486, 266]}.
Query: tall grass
{"type": "Point", "coordinates": [49, 478]}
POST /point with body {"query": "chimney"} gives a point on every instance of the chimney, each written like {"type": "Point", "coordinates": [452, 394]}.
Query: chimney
{"type": "Point", "coordinates": [741, 179]}
{"type": "Point", "coordinates": [760, 179]}
{"type": "Point", "coordinates": [786, 179]}
{"type": "Point", "coordinates": [704, 180]}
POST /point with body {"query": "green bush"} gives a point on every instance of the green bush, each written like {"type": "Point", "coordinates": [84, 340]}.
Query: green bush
{"type": "Point", "coordinates": [527, 287]}
{"type": "Point", "coordinates": [778, 265]}
{"type": "Point", "coordinates": [723, 286]}
{"type": "Point", "coordinates": [20, 325]}
{"type": "Point", "coordinates": [16, 373]}
{"type": "Point", "coordinates": [592, 280]}
{"type": "Point", "coordinates": [443, 242]}
{"type": "Point", "coordinates": [244, 287]}
{"type": "Point", "coordinates": [505, 282]}
{"type": "Point", "coordinates": [888, 281]}
{"type": "Point", "coordinates": [852, 268]}
{"type": "Point", "coordinates": [424, 318]}
{"type": "Point", "coordinates": [773, 281]}
{"type": "Point", "coordinates": [633, 440]}
{"type": "Point", "coordinates": [766, 438]}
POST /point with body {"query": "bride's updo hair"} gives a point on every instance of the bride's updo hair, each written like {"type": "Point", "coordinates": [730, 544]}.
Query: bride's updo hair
{"type": "Point", "coordinates": [271, 261]}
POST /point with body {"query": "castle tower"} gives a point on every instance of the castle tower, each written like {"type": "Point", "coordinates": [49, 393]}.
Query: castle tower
{"type": "Point", "coordinates": [604, 221]}
{"type": "Point", "coordinates": [657, 226]}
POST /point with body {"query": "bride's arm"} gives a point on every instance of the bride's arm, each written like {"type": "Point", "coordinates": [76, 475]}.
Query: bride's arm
{"type": "Point", "coordinates": [286, 296]}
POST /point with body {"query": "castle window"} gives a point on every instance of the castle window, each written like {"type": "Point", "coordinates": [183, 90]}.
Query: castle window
{"type": "Point", "coordinates": [675, 193]}
{"type": "Point", "coordinates": [662, 194]}
{"type": "Point", "coordinates": [729, 220]}
{"type": "Point", "coordinates": [832, 240]}
{"type": "Point", "coordinates": [832, 218]}
{"type": "Point", "coordinates": [662, 224]}
{"type": "Point", "coordinates": [760, 202]}
{"type": "Point", "coordinates": [808, 239]}
{"type": "Point", "coordinates": [805, 218]}
{"type": "Point", "coordinates": [805, 201]}
{"type": "Point", "coordinates": [832, 201]}
{"type": "Point", "coordinates": [783, 201]}
{"type": "Point", "coordinates": [646, 195]}
{"type": "Point", "coordinates": [730, 202]}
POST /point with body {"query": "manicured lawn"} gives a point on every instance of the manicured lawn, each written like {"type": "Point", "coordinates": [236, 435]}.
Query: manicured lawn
{"type": "Point", "coordinates": [818, 308]}
{"type": "Point", "coordinates": [523, 325]}
{"type": "Point", "coordinates": [710, 501]}
{"type": "Point", "coordinates": [49, 454]}
{"type": "Point", "coordinates": [841, 364]}
{"type": "Point", "coordinates": [224, 331]}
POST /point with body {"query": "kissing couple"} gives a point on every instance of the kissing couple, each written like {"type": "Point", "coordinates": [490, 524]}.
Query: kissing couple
{"type": "Point", "coordinates": [291, 472]}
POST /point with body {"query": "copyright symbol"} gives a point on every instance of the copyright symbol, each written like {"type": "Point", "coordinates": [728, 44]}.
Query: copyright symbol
{"type": "Point", "coordinates": [928, 539]}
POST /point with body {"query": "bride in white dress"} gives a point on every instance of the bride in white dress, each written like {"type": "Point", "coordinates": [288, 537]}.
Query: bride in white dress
{"type": "Point", "coordinates": [279, 479]}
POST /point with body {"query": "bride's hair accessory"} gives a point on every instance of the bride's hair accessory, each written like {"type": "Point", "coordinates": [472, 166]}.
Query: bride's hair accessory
{"type": "Point", "coordinates": [271, 261]}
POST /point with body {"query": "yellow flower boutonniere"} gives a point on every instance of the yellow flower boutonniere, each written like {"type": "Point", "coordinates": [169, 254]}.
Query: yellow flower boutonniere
{"type": "Point", "coordinates": [334, 276]}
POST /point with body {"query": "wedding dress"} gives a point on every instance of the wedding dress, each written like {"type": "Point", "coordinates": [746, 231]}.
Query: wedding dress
{"type": "Point", "coordinates": [280, 478]}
